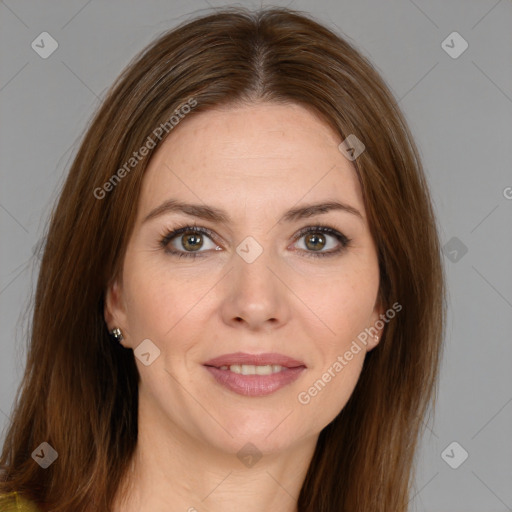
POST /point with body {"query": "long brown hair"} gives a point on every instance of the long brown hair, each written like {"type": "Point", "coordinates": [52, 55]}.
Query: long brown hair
{"type": "Point", "coordinates": [80, 389]}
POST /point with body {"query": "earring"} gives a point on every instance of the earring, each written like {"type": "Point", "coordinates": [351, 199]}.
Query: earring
{"type": "Point", "coordinates": [118, 335]}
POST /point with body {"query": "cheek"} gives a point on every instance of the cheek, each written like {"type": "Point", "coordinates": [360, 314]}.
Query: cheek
{"type": "Point", "coordinates": [345, 306]}
{"type": "Point", "coordinates": [329, 388]}
{"type": "Point", "coordinates": [339, 354]}
{"type": "Point", "coordinates": [162, 298]}
{"type": "Point", "coordinates": [343, 303]}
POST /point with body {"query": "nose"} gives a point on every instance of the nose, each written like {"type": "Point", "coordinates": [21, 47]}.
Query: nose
{"type": "Point", "coordinates": [255, 295]}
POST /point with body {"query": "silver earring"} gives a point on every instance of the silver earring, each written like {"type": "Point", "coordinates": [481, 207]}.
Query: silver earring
{"type": "Point", "coordinates": [118, 335]}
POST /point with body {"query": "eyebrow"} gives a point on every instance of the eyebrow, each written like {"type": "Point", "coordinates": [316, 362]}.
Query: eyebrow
{"type": "Point", "coordinates": [220, 216]}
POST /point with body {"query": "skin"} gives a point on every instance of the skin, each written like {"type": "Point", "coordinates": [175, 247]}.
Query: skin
{"type": "Point", "coordinates": [256, 162]}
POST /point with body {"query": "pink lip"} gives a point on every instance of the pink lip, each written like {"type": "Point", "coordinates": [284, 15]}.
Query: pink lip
{"type": "Point", "coordinates": [255, 385]}
{"type": "Point", "coordinates": [254, 359]}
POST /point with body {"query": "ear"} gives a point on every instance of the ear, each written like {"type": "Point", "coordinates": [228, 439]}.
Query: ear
{"type": "Point", "coordinates": [115, 310]}
{"type": "Point", "coordinates": [376, 327]}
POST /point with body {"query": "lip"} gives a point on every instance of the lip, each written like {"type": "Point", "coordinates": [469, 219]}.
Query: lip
{"type": "Point", "coordinates": [254, 359]}
{"type": "Point", "coordinates": [255, 385]}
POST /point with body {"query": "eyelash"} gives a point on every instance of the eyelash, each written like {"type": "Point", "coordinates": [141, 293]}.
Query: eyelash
{"type": "Point", "coordinates": [342, 239]}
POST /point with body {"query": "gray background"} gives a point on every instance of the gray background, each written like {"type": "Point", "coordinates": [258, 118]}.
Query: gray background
{"type": "Point", "coordinates": [460, 112]}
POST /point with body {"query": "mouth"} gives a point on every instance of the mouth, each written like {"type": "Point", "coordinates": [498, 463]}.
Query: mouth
{"type": "Point", "coordinates": [254, 374]}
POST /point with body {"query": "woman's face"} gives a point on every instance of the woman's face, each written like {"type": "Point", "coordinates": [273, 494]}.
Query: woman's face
{"type": "Point", "coordinates": [257, 284]}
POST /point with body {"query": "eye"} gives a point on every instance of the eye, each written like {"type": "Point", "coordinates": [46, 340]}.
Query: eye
{"type": "Point", "coordinates": [316, 238]}
{"type": "Point", "coordinates": [188, 241]}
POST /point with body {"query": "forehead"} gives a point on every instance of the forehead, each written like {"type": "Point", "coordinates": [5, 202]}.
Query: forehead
{"type": "Point", "coordinates": [258, 155]}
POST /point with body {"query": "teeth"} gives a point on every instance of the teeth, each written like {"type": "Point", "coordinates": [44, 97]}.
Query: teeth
{"type": "Point", "coordinates": [250, 369]}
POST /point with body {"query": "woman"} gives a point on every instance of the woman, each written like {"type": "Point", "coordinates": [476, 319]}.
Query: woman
{"type": "Point", "coordinates": [241, 301]}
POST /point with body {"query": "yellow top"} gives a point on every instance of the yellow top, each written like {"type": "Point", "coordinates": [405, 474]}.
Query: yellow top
{"type": "Point", "coordinates": [13, 502]}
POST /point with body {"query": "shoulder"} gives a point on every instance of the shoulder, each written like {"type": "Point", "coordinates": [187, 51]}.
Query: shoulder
{"type": "Point", "coordinates": [13, 502]}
